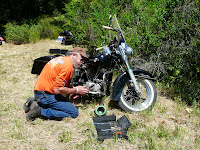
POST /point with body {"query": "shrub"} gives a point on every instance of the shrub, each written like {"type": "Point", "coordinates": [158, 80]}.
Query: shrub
{"type": "Point", "coordinates": [20, 34]}
{"type": "Point", "coordinates": [47, 29]}
{"type": "Point", "coordinates": [17, 34]}
{"type": "Point", "coordinates": [34, 33]}
{"type": "Point", "coordinates": [165, 32]}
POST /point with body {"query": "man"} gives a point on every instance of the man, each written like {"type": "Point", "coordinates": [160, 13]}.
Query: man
{"type": "Point", "coordinates": [52, 83]}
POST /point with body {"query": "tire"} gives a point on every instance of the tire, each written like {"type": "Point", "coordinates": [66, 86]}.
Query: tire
{"type": "Point", "coordinates": [131, 102]}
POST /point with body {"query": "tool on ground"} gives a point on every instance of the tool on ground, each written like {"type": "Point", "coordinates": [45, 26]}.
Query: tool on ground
{"type": "Point", "coordinates": [100, 111]}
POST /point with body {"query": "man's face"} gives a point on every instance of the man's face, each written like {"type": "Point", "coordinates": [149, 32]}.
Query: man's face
{"type": "Point", "coordinates": [78, 61]}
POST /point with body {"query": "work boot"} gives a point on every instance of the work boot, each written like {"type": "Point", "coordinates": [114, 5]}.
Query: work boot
{"type": "Point", "coordinates": [34, 113]}
{"type": "Point", "coordinates": [28, 105]}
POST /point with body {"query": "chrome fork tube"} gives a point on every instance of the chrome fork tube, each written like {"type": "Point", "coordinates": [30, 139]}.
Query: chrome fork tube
{"type": "Point", "coordinates": [132, 76]}
{"type": "Point", "coordinates": [130, 71]}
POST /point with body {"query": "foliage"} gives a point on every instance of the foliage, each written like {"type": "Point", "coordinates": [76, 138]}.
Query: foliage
{"type": "Point", "coordinates": [48, 29]}
{"type": "Point", "coordinates": [17, 34]}
{"type": "Point", "coordinates": [28, 10]}
{"type": "Point", "coordinates": [34, 33]}
{"type": "Point", "coordinates": [163, 32]}
{"type": "Point", "coordinates": [25, 33]}
{"type": "Point", "coordinates": [86, 18]}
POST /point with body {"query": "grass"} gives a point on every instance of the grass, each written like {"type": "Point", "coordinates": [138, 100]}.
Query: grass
{"type": "Point", "coordinates": [170, 125]}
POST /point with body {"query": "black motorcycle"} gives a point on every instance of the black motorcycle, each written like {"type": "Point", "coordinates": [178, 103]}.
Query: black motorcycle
{"type": "Point", "coordinates": [133, 89]}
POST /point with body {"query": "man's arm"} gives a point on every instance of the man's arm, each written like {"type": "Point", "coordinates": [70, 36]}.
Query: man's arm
{"type": "Point", "coordinates": [81, 90]}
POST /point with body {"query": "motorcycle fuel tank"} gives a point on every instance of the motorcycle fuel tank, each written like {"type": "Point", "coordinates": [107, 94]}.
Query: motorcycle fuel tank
{"type": "Point", "coordinates": [104, 59]}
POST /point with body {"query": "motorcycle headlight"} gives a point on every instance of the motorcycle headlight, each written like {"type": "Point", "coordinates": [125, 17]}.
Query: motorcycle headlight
{"type": "Point", "coordinates": [129, 51]}
{"type": "Point", "coordinates": [107, 50]}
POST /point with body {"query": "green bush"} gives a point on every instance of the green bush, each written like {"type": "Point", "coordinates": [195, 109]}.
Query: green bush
{"type": "Point", "coordinates": [85, 19]}
{"type": "Point", "coordinates": [47, 28]}
{"type": "Point", "coordinates": [34, 33]}
{"type": "Point", "coordinates": [20, 34]}
{"type": "Point", "coordinates": [164, 33]}
{"type": "Point", "coordinates": [17, 34]}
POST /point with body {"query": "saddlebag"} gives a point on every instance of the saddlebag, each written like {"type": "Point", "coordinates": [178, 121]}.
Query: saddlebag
{"type": "Point", "coordinates": [39, 64]}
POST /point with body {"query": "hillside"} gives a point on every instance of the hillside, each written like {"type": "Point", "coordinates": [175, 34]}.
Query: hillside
{"type": "Point", "coordinates": [170, 125]}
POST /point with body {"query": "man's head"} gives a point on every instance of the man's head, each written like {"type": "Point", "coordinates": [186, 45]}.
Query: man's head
{"type": "Point", "coordinates": [80, 50]}
{"type": "Point", "coordinates": [76, 56]}
{"type": "Point", "coordinates": [76, 59]}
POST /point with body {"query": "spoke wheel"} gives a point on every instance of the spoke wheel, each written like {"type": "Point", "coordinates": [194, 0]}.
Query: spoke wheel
{"type": "Point", "coordinates": [130, 101]}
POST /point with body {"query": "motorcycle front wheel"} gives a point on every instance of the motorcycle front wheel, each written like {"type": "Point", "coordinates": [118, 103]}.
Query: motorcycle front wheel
{"type": "Point", "coordinates": [130, 101]}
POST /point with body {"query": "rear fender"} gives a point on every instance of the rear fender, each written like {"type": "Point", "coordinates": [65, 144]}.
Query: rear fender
{"type": "Point", "coordinates": [119, 82]}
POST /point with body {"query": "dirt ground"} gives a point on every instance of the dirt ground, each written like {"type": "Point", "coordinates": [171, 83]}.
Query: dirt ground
{"type": "Point", "coordinates": [16, 85]}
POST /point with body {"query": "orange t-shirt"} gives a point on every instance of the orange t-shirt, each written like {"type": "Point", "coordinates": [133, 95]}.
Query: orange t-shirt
{"type": "Point", "coordinates": [55, 74]}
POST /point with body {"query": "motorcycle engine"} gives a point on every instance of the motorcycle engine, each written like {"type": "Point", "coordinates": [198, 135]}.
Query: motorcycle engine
{"type": "Point", "coordinates": [86, 77]}
{"type": "Point", "coordinates": [95, 88]}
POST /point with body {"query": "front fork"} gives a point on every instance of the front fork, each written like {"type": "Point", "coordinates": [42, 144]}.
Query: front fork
{"type": "Point", "coordinates": [133, 79]}
{"type": "Point", "coordinates": [130, 71]}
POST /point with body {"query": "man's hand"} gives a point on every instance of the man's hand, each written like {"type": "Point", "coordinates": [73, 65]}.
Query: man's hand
{"type": "Point", "coordinates": [74, 96]}
{"type": "Point", "coordinates": [82, 90]}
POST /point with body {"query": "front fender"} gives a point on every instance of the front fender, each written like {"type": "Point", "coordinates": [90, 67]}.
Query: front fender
{"type": "Point", "coordinates": [119, 82]}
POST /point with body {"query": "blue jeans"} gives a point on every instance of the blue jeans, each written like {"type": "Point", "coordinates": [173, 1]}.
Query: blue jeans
{"type": "Point", "coordinates": [55, 106]}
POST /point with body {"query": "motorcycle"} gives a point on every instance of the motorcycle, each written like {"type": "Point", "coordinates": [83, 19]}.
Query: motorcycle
{"type": "Point", "coordinates": [65, 37]}
{"type": "Point", "coordinates": [133, 89]}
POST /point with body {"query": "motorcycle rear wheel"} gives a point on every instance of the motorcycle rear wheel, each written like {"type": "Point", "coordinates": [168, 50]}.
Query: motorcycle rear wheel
{"type": "Point", "coordinates": [131, 102]}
